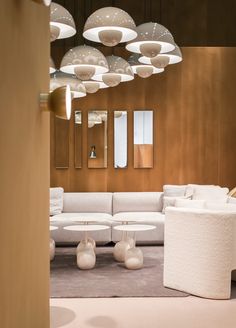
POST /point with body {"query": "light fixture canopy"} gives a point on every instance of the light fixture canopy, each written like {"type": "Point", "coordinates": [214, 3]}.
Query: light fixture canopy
{"type": "Point", "coordinates": [62, 24]}
{"type": "Point", "coordinates": [58, 102]}
{"type": "Point", "coordinates": [43, 2]}
{"type": "Point", "coordinates": [84, 61]}
{"type": "Point", "coordinates": [142, 70]}
{"type": "Point", "coordinates": [162, 60]}
{"type": "Point", "coordinates": [119, 71]}
{"type": "Point", "coordinates": [52, 67]}
{"type": "Point", "coordinates": [110, 26]}
{"type": "Point", "coordinates": [59, 79]}
{"type": "Point", "coordinates": [152, 39]}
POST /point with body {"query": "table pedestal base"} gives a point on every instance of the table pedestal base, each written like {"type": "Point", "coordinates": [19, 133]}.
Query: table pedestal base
{"type": "Point", "coordinates": [134, 258]}
{"type": "Point", "coordinates": [52, 249]}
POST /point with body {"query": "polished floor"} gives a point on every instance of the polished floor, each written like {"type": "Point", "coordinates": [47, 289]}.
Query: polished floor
{"type": "Point", "coordinates": [163, 312]}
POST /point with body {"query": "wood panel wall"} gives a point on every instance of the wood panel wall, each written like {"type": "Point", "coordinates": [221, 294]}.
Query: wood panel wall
{"type": "Point", "coordinates": [194, 127]}
{"type": "Point", "coordinates": [24, 166]}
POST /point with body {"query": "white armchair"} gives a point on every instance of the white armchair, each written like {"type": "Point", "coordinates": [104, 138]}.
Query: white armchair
{"type": "Point", "coordinates": [200, 251]}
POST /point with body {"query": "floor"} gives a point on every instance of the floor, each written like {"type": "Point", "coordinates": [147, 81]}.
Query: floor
{"type": "Point", "coordinates": [184, 312]}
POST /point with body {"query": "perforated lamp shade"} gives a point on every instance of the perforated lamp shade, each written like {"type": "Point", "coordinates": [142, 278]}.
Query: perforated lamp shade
{"type": "Point", "coordinates": [162, 60]}
{"type": "Point", "coordinates": [110, 26]}
{"type": "Point", "coordinates": [152, 38]}
{"type": "Point", "coordinates": [119, 71]}
{"type": "Point", "coordinates": [60, 79]}
{"type": "Point", "coordinates": [84, 61]}
{"type": "Point", "coordinates": [62, 24]}
{"type": "Point", "coordinates": [142, 70]}
{"type": "Point", "coordinates": [52, 67]}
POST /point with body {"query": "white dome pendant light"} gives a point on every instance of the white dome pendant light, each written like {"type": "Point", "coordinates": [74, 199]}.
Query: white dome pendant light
{"type": "Point", "coordinates": [119, 71]}
{"type": "Point", "coordinates": [84, 61]}
{"type": "Point", "coordinates": [142, 70]}
{"type": "Point", "coordinates": [62, 24]}
{"type": "Point", "coordinates": [162, 60]}
{"type": "Point", "coordinates": [152, 39]}
{"type": "Point", "coordinates": [110, 26]}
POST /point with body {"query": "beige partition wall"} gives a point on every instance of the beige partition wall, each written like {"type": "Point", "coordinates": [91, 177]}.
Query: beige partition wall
{"type": "Point", "coordinates": [194, 126]}
{"type": "Point", "coordinates": [24, 165]}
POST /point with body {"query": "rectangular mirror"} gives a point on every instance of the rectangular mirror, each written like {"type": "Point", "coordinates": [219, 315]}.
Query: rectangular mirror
{"type": "Point", "coordinates": [61, 143]}
{"type": "Point", "coordinates": [78, 139]}
{"type": "Point", "coordinates": [120, 139]}
{"type": "Point", "coordinates": [97, 139]}
{"type": "Point", "coordinates": [143, 139]}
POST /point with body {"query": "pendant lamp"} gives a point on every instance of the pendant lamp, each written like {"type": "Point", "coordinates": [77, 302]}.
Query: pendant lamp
{"type": "Point", "coordinates": [119, 71]}
{"type": "Point", "coordinates": [60, 79]}
{"type": "Point", "coordinates": [84, 61]}
{"type": "Point", "coordinates": [110, 26]}
{"type": "Point", "coordinates": [162, 60]}
{"type": "Point", "coordinates": [152, 39]}
{"type": "Point", "coordinates": [142, 70]}
{"type": "Point", "coordinates": [92, 86]}
{"type": "Point", "coordinates": [62, 24]}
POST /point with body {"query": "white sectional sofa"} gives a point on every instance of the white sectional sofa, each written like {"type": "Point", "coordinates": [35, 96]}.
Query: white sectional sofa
{"type": "Point", "coordinates": [143, 207]}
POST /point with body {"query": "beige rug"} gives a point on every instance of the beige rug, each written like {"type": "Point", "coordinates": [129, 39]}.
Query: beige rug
{"type": "Point", "coordinates": [109, 278]}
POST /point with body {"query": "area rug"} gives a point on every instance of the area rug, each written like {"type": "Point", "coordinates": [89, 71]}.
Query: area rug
{"type": "Point", "coordinates": [109, 278]}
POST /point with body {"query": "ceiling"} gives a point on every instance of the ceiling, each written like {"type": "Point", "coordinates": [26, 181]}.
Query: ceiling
{"type": "Point", "coordinates": [192, 22]}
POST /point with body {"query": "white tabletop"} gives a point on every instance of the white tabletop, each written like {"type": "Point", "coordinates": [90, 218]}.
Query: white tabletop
{"type": "Point", "coordinates": [134, 227]}
{"type": "Point", "coordinates": [78, 219]}
{"type": "Point", "coordinates": [86, 227]}
{"type": "Point", "coordinates": [126, 220]}
{"type": "Point", "coordinates": [52, 228]}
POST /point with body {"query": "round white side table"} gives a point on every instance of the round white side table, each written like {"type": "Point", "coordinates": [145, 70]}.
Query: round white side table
{"type": "Point", "coordinates": [132, 256]}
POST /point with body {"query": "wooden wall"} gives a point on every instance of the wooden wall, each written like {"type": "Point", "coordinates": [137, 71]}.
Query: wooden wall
{"type": "Point", "coordinates": [194, 126]}
{"type": "Point", "coordinates": [24, 166]}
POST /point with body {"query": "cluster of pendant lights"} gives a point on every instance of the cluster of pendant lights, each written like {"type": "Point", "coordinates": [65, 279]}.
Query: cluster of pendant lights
{"type": "Point", "coordinates": [87, 70]}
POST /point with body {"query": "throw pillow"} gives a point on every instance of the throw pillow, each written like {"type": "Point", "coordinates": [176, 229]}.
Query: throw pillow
{"type": "Point", "coordinates": [211, 194]}
{"type": "Point", "coordinates": [188, 203]}
{"type": "Point", "coordinates": [56, 200]}
{"type": "Point", "coordinates": [220, 207]}
{"type": "Point", "coordinates": [169, 201]}
{"type": "Point", "coordinates": [191, 187]}
{"type": "Point", "coordinates": [174, 190]}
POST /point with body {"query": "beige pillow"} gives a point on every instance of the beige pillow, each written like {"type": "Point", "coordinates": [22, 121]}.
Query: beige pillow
{"type": "Point", "coordinates": [191, 187]}
{"type": "Point", "coordinates": [174, 190]}
{"type": "Point", "coordinates": [188, 203]}
{"type": "Point", "coordinates": [169, 201]}
{"type": "Point", "coordinates": [56, 200]}
{"type": "Point", "coordinates": [216, 195]}
{"type": "Point", "coordinates": [220, 207]}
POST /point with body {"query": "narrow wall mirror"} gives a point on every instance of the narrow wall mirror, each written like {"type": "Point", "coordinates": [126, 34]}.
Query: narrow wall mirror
{"type": "Point", "coordinates": [78, 139]}
{"type": "Point", "coordinates": [61, 143]}
{"type": "Point", "coordinates": [143, 139]}
{"type": "Point", "coordinates": [97, 139]}
{"type": "Point", "coordinates": [120, 139]}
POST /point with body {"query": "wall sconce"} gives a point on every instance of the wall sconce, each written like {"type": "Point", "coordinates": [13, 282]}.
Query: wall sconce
{"type": "Point", "coordinates": [58, 102]}
{"type": "Point", "coordinates": [43, 2]}
{"type": "Point", "coordinates": [92, 152]}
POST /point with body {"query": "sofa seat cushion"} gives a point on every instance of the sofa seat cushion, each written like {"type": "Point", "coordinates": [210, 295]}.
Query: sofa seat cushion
{"type": "Point", "coordinates": [155, 236]}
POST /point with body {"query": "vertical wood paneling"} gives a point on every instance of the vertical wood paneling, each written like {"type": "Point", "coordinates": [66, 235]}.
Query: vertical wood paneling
{"type": "Point", "coordinates": [194, 120]}
{"type": "Point", "coordinates": [24, 166]}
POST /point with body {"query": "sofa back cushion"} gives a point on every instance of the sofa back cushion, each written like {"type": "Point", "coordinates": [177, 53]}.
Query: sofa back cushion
{"type": "Point", "coordinates": [137, 202]}
{"type": "Point", "coordinates": [56, 200]}
{"type": "Point", "coordinates": [87, 202]}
